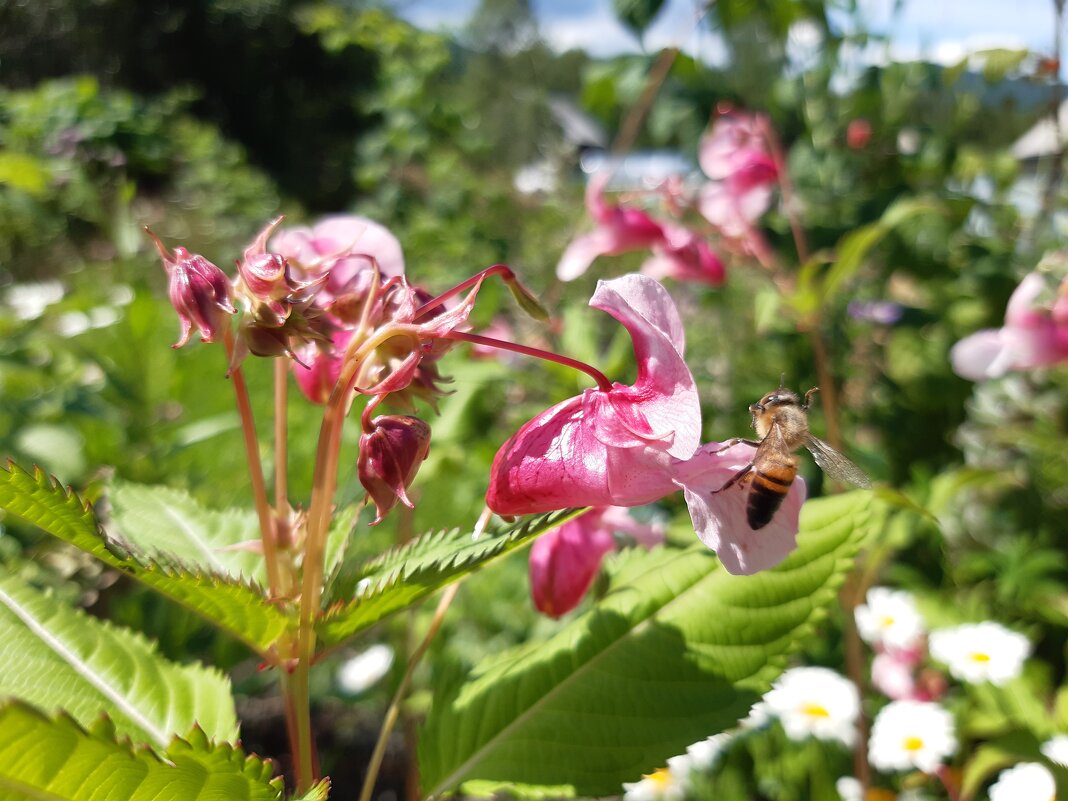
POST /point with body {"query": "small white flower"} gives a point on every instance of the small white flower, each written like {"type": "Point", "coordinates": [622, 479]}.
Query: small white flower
{"type": "Point", "coordinates": [663, 784]}
{"type": "Point", "coordinates": [911, 734]}
{"type": "Point", "coordinates": [1055, 749]}
{"type": "Point", "coordinates": [849, 789]}
{"type": "Point", "coordinates": [759, 716]}
{"type": "Point", "coordinates": [978, 652]}
{"type": "Point", "coordinates": [705, 754]}
{"type": "Point", "coordinates": [365, 670]}
{"type": "Point", "coordinates": [1028, 781]}
{"type": "Point", "coordinates": [817, 702]}
{"type": "Point", "coordinates": [889, 618]}
{"type": "Point", "coordinates": [30, 300]}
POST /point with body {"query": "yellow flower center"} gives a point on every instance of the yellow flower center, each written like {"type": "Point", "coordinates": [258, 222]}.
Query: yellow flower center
{"type": "Point", "coordinates": [661, 777]}
{"type": "Point", "coordinates": [980, 657]}
{"type": "Point", "coordinates": [913, 744]}
{"type": "Point", "coordinates": [886, 621]}
{"type": "Point", "coordinates": [815, 711]}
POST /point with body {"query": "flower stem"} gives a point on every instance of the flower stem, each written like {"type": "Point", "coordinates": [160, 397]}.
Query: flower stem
{"type": "Point", "coordinates": [402, 690]}
{"type": "Point", "coordinates": [255, 469]}
{"type": "Point", "coordinates": [281, 452]}
{"type": "Point", "coordinates": [602, 381]}
{"type": "Point", "coordinates": [474, 280]}
{"type": "Point", "coordinates": [296, 689]}
{"type": "Point", "coordinates": [849, 598]}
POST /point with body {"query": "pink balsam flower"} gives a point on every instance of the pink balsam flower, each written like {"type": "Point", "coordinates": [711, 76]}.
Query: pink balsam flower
{"type": "Point", "coordinates": [1035, 333]}
{"type": "Point", "coordinates": [632, 445]}
{"type": "Point", "coordinates": [565, 561]}
{"type": "Point", "coordinates": [734, 155]}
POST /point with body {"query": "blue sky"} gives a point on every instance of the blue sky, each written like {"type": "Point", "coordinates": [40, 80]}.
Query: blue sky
{"type": "Point", "coordinates": [939, 30]}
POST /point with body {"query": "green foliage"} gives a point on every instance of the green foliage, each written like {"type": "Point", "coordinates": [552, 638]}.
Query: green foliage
{"type": "Point", "coordinates": [232, 605]}
{"type": "Point", "coordinates": [637, 14]}
{"type": "Point", "coordinates": [402, 577]}
{"type": "Point", "coordinates": [676, 649]}
{"type": "Point", "coordinates": [60, 658]}
{"type": "Point", "coordinates": [60, 760]}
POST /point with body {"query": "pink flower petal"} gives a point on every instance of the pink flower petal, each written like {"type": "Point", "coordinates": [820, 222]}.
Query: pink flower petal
{"type": "Point", "coordinates": [565, 561]}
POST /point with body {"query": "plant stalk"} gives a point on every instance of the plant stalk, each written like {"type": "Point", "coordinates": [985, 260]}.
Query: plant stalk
{"type": "Point", "coordinates": [602, 381]}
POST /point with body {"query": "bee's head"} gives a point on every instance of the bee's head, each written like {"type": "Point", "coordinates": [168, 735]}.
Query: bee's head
{"type": "Point", "coordinates": [778, 398]}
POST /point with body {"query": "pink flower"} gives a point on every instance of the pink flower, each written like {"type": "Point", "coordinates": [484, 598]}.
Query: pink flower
{"type": "Point", "coordinates": [719, 518]}
{"type": "Point", "coordinates": [391, 452]}
{"type": "Point", "coordinates": [619, 230]}
{"type": "Point", "coordinates": [614, 447]}
{"type": "Point", "coordinates": [631, 445]}
{"type": "Point", "coordinates": [684, 255]}
{"type": "Point", "coordinates": [323, 367]}
{"type": "Point", "coordinates": [734, 155]}
{"type": "Point", "coordinates": [893, 677]}
{"type": "Point", "coordinates": [565, 561]}
{"type": "Point", "coordinates": [199, 292]}
{"type": "Point", "coordinates": [1035, 334]}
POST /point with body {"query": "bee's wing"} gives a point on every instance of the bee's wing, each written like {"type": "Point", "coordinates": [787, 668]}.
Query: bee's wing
{"type": "Point", "coordinates": [835, 464]}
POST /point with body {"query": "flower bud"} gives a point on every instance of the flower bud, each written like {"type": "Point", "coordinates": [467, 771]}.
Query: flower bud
{"type": "Point", "coordinates": [390, 455]}
{"type": "Point", "coordinates": [199, 291]}
{"type": "Point", "coordinates": [565, 561]}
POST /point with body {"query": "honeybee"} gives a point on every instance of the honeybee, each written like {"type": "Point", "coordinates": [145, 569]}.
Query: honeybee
{"type": "Point", "coordinates": [781, 421]}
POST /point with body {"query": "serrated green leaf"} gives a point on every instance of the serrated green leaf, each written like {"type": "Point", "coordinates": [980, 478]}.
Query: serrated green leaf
{"type": "Point", "coordinates": [677, 650]}
{"type": "Point", "coordinates": [236, 607]}
{"type": "Point", "coordinates": [403, 576]}
{"type": "Point", "coordinates": [56, 657]}
{"type": "Point", "coordinates": [164, 524]}
{"type": "Point", "coordinates": [43, 759]}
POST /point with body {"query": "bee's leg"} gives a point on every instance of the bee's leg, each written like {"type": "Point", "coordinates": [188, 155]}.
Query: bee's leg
{"type": "Point", "coordinates": [741, 474]}
{"type": "Point", "coordinates": [808, 396]}
{"type": "Point", "coordinates": [732, 442]}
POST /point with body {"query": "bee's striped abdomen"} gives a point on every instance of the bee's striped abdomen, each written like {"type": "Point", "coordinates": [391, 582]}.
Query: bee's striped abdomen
{"type": "Point", "coordinates": [767, 488]}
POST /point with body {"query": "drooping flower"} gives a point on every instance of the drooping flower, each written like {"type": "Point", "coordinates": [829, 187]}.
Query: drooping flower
{"type": "Point", "coordinates": [890, 619]}
{"type": "Point", "coordinates": [1035, 333]}
{"type": "Point", "coordinates": [199, 291]}
{"type": "Point", "coordinates": [619, 230]}
{"type": "Point", "coordinates": [614, 446]}
{"type": "Point", "coordinates": [1027, 781]}
{"type": "Point", "coordinates": [978, 652]}
{"type": "Point", "coordinates": [683, 255]}
{"type": "Point", "coordinates": [565, 561]}
{"type": "Point", "coordinates": [391, 451]}
{"type": "Point", "coordinates": [815, 702]}
{"type": "Point", "coordinates": [909, 735]}
{"type": "Point", "coordinates": [663, 784]}
{"type": "Point", "coordinates": [624, 445]}
{"type": "Point", "coordinates": [734, 155]}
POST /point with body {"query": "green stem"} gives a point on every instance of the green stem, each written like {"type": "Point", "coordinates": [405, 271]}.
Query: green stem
{"type": "Point", "coordinates": [255, 469]}
{"type": "Point", "coordinates": [402, 690]}
{"type": "Point", "coordinates": [297, 694]}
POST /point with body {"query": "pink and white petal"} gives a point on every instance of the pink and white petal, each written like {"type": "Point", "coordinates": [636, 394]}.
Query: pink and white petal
{"type": "Point", "coordinates": [1020, 311]}
{"type": "Point", "coordinates": [362, 236]}
{"type": "Point", "coordinates": [619, 518]}
{"type": "Point", "coordinates": [981, 355]}
{"type": "Point", "coordinates": [582, 252]}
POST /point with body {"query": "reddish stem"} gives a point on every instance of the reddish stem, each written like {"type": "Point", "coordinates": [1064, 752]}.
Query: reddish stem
{"type": "Point", "coordinates": [602, 381]}
{"type": "Point", "coordinates": [496, 269]}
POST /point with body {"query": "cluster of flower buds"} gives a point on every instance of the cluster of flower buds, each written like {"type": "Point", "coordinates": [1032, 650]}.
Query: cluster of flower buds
{"type": "Point", "coordinates": [334, 300]}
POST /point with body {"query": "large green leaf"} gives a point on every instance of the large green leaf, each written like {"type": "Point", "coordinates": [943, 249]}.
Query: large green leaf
{"type": "Point", "coordinates": [405, 575]}
{"type": "Point", "coordinates": [165, 524]}
{"type": "Point", "coordinates": [56, 657]}
{"type": "Point", "coordinates": [233, 605]}
{"type": "Point", "coordinates": [677, 650]}
{"type": "Point", "coordinates": [42, 759]}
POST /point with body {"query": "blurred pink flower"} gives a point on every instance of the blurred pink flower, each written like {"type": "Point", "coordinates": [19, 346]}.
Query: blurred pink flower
{"type": "Point", "coordinates": [684, 255]}
{"type": "Point", "coordinates": [894, 677]}
{"type": "Point", "coordinates": [1035, 333]}
{"type": "Point", "coordinates": [619, 230]}
{"type": "Point", "coordinates": [632, 445]}
{"type": "Point", "coordinates": [316, 380]}
{"type": "Point", "coordinates": [565, 561]}
{"type": "Point", "coordinates": [858, 134]}
{"type": "Point", "coordinates": [734, 155]}
{"type": "Point", "coordinates": [615, 447]}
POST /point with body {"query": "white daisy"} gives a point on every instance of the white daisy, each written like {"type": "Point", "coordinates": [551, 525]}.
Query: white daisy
{"type": "Point", "coordinates": [890, 619]}
{"type": "Point", "coordinates": [759, 716]}
{"type": "Point", "coordinates": [911, 734]}
{"type": "Point", "coordinates": [705, 754]}
{"type": "Point", "coordinates": [663, 784]}
{"type": "Point", "coordinates": [849, 789]}
{"type": "Point", "coordinates": [365, 669]}
{"type": "Point", "coordinates": [817, 702]}
{"type": "Point", "coordinates": [1028, 781]}
{"type": "Point", "coordinates": [978, 652]}
{"type": "Point", "coordinates": [1055, 749]}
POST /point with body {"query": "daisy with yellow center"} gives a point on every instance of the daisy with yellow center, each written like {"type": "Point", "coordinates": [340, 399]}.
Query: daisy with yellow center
{"type": "Point", "coordinates": [889, 619]}
{"type": "Point", "coordinates": [978, 652]}
{"type": "Point", "coordinates": [815, 702]}
{"type": "Point", "coordinates": [663, 784]}
{"type": "Point", "coordinates": [911, 735]}
{"type": "Point", "coordinates": [1028, 781]}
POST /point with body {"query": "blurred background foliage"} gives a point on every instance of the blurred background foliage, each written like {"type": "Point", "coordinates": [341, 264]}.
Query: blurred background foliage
{"type": "Point", "coordinates": [205, 118]}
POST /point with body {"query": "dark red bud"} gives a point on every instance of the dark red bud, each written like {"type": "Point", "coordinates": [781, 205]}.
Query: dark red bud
{"type": "Point", "coordinates": [390, 455]}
